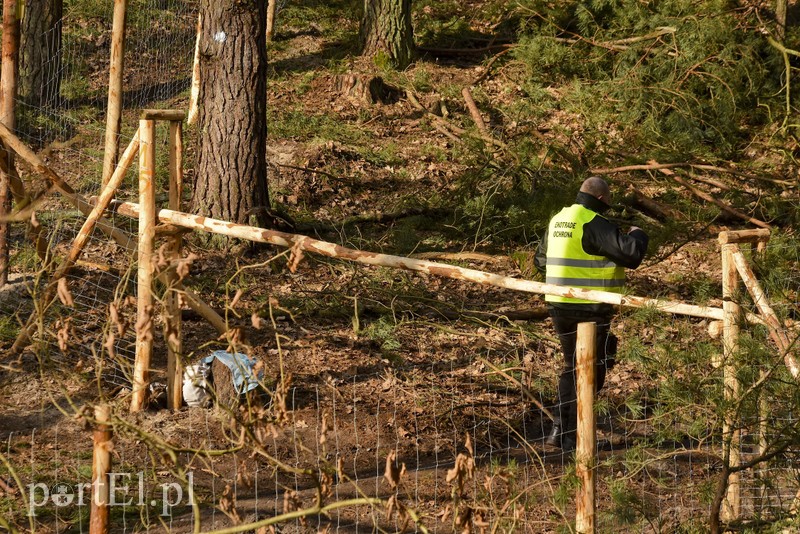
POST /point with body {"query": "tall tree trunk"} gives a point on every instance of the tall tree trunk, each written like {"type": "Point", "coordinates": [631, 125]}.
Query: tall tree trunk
{"type": "Point", "coordinates": [386, 30]}
{"type": "Point", "coordinates": [231, 177]}
{"type": "Point", "coordinates": [40, 53]}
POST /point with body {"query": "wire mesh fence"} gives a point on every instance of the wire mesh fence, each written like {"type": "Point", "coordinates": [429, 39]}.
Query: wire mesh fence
{"type": "Point", "coordinates": [427, 415]}
{"type": "Point", "coordinates": [159, 49]}
{"type": "Point", "coordinates": [391, 399]}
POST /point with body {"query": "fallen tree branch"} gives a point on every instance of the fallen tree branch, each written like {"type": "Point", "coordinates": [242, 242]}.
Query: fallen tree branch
{"type": "Point", "coordinates": [618, 45]}
{"type": "Point", "coordinates": [488, 66]}
{"type": "Point", "coordinates": [331, 250]}
{"type": "Point", "coordinates": [708, 198]}
{"type": "Point", "coordinates": [712, 182]}
{"type": "Point", "coordinates": [447, 124]}
{"type": "Point", "coordinates": [474, 111]}
{"type": "Point", "coordinates": [712, 168]}
{"type": "Point", "coordinates": [785, 52]}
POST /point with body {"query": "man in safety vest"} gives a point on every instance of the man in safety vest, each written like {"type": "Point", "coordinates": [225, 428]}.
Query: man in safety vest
{"type": "Point", "coordinates": [583, 249]}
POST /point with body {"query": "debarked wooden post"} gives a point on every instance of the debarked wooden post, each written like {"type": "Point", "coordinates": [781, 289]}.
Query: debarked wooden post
{"type": "Point", "coordinates": [730, 346]}
{"type": "Point", "coordinates": [172, 309]}
{"type": "Point", "coordinates": [144, 300]}
{"type": "Point", "coordinates": [101, 466]}
{"type": "Point", "coordinates": [585, 460]}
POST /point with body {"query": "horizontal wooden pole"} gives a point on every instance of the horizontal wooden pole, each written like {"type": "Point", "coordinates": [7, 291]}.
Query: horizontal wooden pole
{"type": "Point", "coordinates": [163, 114]}
{"type": "Point", "coordinates": [331, 250]}
{"type": "Point", "coordinates": [744, 236]}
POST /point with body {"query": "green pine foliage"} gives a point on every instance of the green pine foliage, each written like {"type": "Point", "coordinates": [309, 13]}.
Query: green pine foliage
{"type": "Point", "coordinates": [696, 90]}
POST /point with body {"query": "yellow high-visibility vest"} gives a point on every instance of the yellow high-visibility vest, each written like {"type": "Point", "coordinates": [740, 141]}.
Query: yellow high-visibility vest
{"type": "Point", "coordinates": [569, 265]}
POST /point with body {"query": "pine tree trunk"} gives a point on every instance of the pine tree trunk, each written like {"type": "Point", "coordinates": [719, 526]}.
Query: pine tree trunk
{"type": "Point", "coordinates": [40, 53]}
{"type": "Point", "coordinates": [231, 177]}
{"type": "Point", "coordinates": [386, 29]}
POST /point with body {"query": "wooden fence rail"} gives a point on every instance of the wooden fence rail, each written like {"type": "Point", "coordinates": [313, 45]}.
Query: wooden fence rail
{"type": "Point", "coordinates": [332, 250]}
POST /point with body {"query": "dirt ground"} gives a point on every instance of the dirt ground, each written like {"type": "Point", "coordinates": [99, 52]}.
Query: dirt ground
{"type": "Point", "coordinates": [358, 362]}
{"type": "Point", "coordinates": [396, 376]}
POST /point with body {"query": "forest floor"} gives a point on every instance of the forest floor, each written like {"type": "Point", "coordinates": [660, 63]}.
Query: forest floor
{"type": "Point", "coordinates": [379, 359]}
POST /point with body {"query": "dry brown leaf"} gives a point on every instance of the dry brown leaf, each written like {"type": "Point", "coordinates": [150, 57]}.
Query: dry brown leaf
{"type": "Point", "coordinates": [393, 472]}
{"type": "Point", "coordinates": [63, 333]}
{"type": "Point", "coordinates": [295, 257]}
{"type": "Point", "coordinates": [236, 298]}
{"type": "Point", "coordinates": [63, 293]}
{"type": "Point", "coordinates": [183, 266]}
{"type": "Point", "coordinates": [228, 505]}
{"type": "Point", "coordinates": [325, 427]}
{"type": "Point", "coordinates": [110, 345]}
{"type": "Point", "coordinates": [144, 326]}
{"type": "Point", "coordinates": [162, 260]}
{"type": "Point", "coordinates": [116, 319]}
{"type": "Point", "coordinates": [326, 484]}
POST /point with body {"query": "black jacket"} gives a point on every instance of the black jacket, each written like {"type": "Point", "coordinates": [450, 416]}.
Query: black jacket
{"type": "Point", "coordinates": [601, 237]}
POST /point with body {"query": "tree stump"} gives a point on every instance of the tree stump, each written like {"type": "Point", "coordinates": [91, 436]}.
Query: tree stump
{"type": "Point", "coordinates": [224, 392]}
{"type": "Point", "coordinates": [367, 89]}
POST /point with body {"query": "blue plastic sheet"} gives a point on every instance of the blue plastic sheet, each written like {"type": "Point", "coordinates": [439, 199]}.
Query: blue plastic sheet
{"type": "Point", "coordinates": [242, 369]}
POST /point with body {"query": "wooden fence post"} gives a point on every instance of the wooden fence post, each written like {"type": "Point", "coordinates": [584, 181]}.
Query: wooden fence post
{"type": "Point", "coordinates": [730, 345]}
{"type": "Point", "coordinates": [101, 465]}
{"type": "Point", "coordinates": [8, 86]}
{"type": "Point", "coordinates": [172, 322]}
{"type": "Point", "coordinates": [115, 72]}
{"type": "Point", "coordinates": [147, 218]}
{"type": "Point", "coordinates": [272, 7]}
{"type": "Point", "coordinates": [586, 442]}
{"type": "Point", "coordinates": [194, 93]}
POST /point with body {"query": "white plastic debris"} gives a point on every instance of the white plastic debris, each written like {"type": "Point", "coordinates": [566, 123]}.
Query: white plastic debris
{"type": "Point", "coordinates": [196, 387]}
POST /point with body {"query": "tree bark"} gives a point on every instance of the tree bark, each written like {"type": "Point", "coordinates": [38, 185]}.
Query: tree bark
{"type": "Point", "coordinates": [40, 53]}
{"type": "Point", "coordinates": [8, 95]}
{"type": "Point", "coordinates": [386, 29]}
{"type": "Point", "coordinates": [231, 177]}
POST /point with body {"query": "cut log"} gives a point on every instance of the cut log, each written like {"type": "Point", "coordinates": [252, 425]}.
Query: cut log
{"type": "Point", "coordinates": [744, 236]}
{"type": "Point", "coordinates": [115, 75]}
{"type": "Point", "coordinates": [638, 199]}
{"type": "Point", "coordinates": [272, 7]}
{"type": "Point", "coordinates": [195, 90]}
